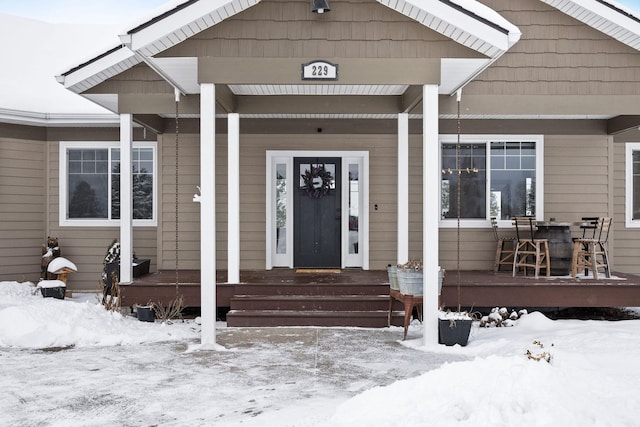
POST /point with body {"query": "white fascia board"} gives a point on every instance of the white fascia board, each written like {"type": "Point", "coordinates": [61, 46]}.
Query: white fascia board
{"type": "Point", "coordinates": [616, 23]}
{"type": "Point", "coordinates": [464, 28]}
{"type": "Point", "coordinates": [183, 24]}
{"type": "Point", "coordinates": [29, 118]}
{"type": "Point", "coordinates": [456, 71]}
{"type": "Point", "coordinates": [99, 70]}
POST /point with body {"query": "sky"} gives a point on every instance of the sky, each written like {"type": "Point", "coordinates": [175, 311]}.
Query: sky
{"type": "Point", "coordinates": [72, 363]}
{"type": "Point", "coordinates": [108, 11]}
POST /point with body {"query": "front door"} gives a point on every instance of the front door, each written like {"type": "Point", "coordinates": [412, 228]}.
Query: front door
{"type": "Point", "coordinates": [317, 211]}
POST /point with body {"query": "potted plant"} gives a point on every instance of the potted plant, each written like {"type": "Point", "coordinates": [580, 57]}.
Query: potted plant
{"type": "Point", "coordinates": [146, 313]}
{"type": "Point", "coordinates": [409, 277]}
{"type": "Point", "coordinates": [111, 264]}
{"type": "Point", "coordinates": [52, 288]}
{"type": "Point", "coordinates": [454, 327]}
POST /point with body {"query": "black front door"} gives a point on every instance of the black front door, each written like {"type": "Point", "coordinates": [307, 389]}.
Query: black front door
{"type": "Point", "coordinates": [317, 214]}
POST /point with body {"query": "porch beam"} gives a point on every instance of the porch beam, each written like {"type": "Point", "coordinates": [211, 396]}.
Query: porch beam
{"type": "Point", "coordinates": [621, 124]}
{"type": "Point", "coordinates": [126, 198]}
{"type": "Point", "coordinates": [152, 122]}
{"type": "Point", "coordinates": [411, 98]}
{"type": "Point", "coordinates": [226, 99]}
{"type": "Point", "coordinates": [544, 105]}
{"type": "Point", "coordinates": [430, 217]}
{"type": "Point", "coordinates": [318, 104]}
{"type": "Point", "coordinates": [208, 214]}
{"type": "Point", "coordinates": [287, 71]}
{"type": "Point", "coordinates": [233, 199]}
{"type": "Point", "coordinates": [403, 188]}
{"type": "Point", "coordinates": [157, 103]}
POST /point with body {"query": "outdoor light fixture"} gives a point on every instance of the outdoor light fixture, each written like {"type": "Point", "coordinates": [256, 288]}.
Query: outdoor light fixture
{"type": "Point", "coordinates": [320, 6]}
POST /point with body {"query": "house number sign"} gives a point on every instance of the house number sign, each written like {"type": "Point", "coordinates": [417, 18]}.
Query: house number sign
{"type": "Point", "coordinates": [319, 70]}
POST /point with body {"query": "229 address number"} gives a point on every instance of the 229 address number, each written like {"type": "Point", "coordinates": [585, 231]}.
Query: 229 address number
{"type": "Point", "coordinates": [319, 70]}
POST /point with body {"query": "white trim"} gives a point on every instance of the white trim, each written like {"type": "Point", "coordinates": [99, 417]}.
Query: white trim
{"type": "Point", "coordinates": [403, 188]}
{"type": "Point", "coordinates": [31, 118]}
{"type": "Point", "coordinates": [126, 198]}
{"type": "Point", "coordinates": [464, 28]}
{"type": "Point", "coordinates": [208, 214]}
{"type": "Point", "coordinates": [273, 258]}
{"type": "Point", "coordinates": [286, 156]}
{"type": "Point", "coordinates": [99, 70]}
{"type": "Point", "coordinates": [430, 213]}
{"type": "Point", "coordinates": [629, 148]}
{"type": "Point", "coordinates": [348, 259]}
{"type": "Point", "coordinates": [476, 29]}
{"type": "Point", "coordinates": [487, 139]}
{"type": "Point", "coordinates": [603, 18]}
{"type": "Point", "coordinates": [233, 199]}
{"type": "Point", "coordinates": [180, 25]}
{"type": "Point", "coordinates": [63, 221]}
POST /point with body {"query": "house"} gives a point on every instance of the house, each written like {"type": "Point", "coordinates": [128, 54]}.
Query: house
{"type": "Point", "coordinates": [281, 137]}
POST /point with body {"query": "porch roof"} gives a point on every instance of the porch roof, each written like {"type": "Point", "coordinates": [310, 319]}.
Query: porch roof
{"type": "Point", "coordinates": [467, 22]}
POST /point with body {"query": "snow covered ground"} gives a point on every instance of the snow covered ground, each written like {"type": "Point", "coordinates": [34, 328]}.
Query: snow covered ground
{"type": "Point", "coordinates": [71, 363]}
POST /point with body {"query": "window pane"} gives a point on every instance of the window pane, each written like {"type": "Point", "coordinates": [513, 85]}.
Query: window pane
{"type": "Point", "coordinates": [471, 181]}
{"type": "Point", "coordinates": [354, 208]}
{"type": "Point", "coordinates": [88, 184]}
{"type": "Point", "coordinates": [281, 208]}
{"type": "Point", "coordinates": [142, 184]}
{"type": "Point", "coordinates": [513, 185]}
{"type": "Point", "coordinates": [636, 184]}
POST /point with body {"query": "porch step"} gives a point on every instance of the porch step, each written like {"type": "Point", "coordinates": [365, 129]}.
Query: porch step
{"type": "Point", "coordinates": [286, 288]}
{"type": "Point", "coordinates": [268, 318]}
{"type": "Point", "coordinates": [312, 304]}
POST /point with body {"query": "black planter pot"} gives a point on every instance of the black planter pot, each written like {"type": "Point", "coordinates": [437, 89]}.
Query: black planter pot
{"type": "Point", "coordinates": [146, 314]}
{"type": "Point", "coordinates": [452, 332]}
{"type": "Point", "coordinates": [56, 292]}
{"type": "Point", "coordinates": [140, 268]}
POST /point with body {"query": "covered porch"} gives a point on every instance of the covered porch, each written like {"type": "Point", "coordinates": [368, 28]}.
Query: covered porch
{"type": "Point", "coordinates": [287, 297]}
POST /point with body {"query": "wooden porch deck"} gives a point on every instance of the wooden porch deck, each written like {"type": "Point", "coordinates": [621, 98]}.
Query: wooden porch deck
{"type": "Point", "coordinates": [478, 288]}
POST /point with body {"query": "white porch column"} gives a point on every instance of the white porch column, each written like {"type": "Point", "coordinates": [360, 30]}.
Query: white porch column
{"type": "Point", "coordinates": [233, 237]}
{"type": "Point", "coordinates": [126, 198]}
{"type": "Point", "coordinates": [431, 184]}
{"type": "Point", "coordinates": [403, 188]}
{"type": "Point", "coordinates": [208, 214]}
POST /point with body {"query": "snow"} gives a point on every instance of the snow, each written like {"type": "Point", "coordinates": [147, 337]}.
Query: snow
{"type": "Point", "coordinates": [70, 362]}
{"type": "Point", "coordinates": [51, 284]}
{"type": "Point", "coordinates": [35, 52]}
{"type": "Point", "coordinates": [59, 263]}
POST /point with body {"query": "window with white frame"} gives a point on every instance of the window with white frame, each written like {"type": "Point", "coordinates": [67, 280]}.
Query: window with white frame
{"type": "Point", "coordinates": [497, 176]}
{"type": "Point", "coordinates": [90, 183]}
{"type": "Point", "coordinates": [632, 188]}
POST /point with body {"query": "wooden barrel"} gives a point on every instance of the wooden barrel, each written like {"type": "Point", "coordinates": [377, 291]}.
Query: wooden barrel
{"type": "Point", "coordinates": [560, 247]}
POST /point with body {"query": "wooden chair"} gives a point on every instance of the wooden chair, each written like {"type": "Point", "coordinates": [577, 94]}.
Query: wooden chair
{"type": "Point", "coordinates": [530, 252]}
{"type": "Point", "coordinates": [505, 248]}
{"type": "Point", "coordinates": [591, 252]}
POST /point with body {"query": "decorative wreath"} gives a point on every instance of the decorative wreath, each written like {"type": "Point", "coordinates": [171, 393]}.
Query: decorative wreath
{"type": "Point", "coordinates": [317, 181]}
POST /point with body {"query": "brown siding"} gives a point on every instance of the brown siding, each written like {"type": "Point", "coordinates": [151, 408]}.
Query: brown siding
{"type": "Point", "coordinates": [22, 208]}
{"type": "Point", "coordinates": [558, 55]}
{"type": "Point", "coordinates": [87, 246]}
{"type": "Point", "coordinates": [353, 29]}
{"type": "Point", "coordinates": [252, 195]}
{"type": "Point", "coordinates": [576, 175]}
{"type": "Point", "coordinates": [625, 245]}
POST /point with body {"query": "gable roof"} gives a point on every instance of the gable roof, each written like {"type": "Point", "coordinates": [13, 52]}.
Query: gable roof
{"type": "Point", "coordinates": [464, 21]}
